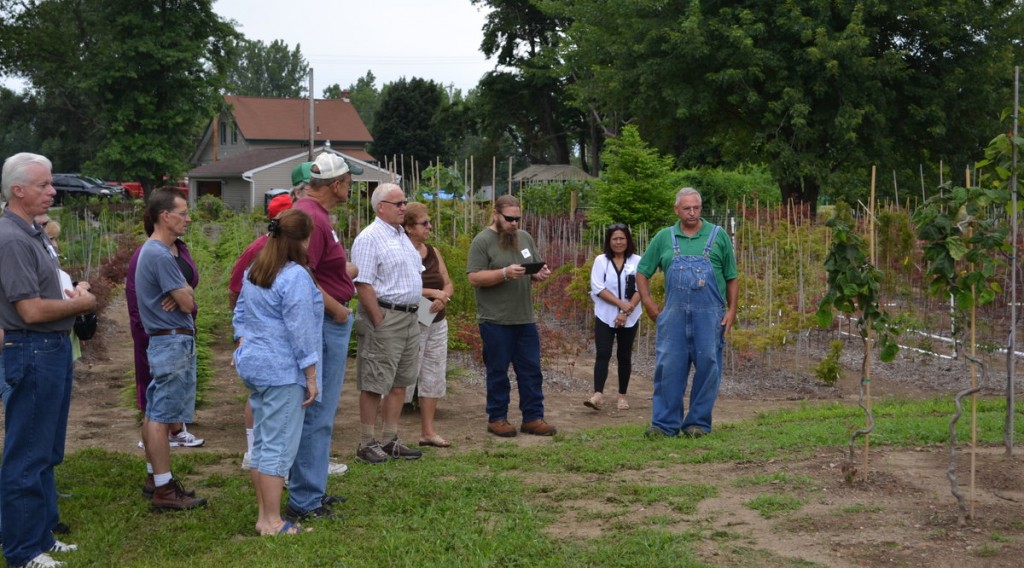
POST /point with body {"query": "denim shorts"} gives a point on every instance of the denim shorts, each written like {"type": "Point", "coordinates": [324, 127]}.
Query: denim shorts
{"type": "Point", "coordinates": [171, 397]}
{"type": "Point", "coordinates": [277, 426]}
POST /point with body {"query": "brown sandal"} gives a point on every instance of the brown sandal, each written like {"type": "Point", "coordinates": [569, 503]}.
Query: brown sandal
{"type": "Point", "coordinates": [435, 441]}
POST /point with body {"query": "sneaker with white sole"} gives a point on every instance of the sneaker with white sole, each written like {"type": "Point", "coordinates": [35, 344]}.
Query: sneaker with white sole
{"type": "Point", "coordinates": [59, 546]}
{"type": "Point", "coordinates": [335, 468]}
{"type": "Point", "coordinates": [184, 439]}
{"type": "Point", "coordinates": [43, 560]}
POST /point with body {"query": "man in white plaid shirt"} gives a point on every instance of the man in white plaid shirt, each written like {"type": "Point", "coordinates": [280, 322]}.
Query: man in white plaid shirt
{"type": "Point", "coordinates": [389, 287]}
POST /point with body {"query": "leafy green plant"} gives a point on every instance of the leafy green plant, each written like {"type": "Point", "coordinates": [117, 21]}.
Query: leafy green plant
{"type": "Point", "coordinates": [853, 287]}
{"type": "Point", "coordinates": [964, 246]}
{"type": "Point", "coordinates": [828, 370]}
{"type": "Point", "coordinates": [637, 185]}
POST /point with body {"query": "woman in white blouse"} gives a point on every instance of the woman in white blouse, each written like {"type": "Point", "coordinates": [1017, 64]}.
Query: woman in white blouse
{"type": "Point", "coordinates": [616, 310]}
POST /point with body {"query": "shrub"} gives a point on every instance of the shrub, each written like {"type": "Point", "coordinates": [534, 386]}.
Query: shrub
{"type": "Point", "coordinates": [828, 370]}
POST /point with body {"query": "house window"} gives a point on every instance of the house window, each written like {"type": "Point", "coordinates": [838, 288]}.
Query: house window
{"type": "Point", "coordinates": [223, 133]}
{"type": "Point", "coordinates": [234, 134]}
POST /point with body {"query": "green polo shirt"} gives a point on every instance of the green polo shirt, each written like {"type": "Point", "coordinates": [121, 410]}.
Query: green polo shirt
{"type": "Point", "coordinates": [659, 252]}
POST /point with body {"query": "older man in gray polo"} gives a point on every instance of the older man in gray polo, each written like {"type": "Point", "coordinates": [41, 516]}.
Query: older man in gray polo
{"type": "Point", "coordinates": [37, 312]}
{"type": "Point", "coordinates": [389, 286]}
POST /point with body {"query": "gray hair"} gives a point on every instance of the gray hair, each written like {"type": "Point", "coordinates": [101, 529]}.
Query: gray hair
{"type": "Point", "coordinates": [381, 192]}
{"type": "Point", "coordinates": [688, 191]}
{"type": "Point", "coordinates": [15, 170]}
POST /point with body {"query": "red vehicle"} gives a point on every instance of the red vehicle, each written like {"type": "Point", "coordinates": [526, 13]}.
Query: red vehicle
{"type": "Point", "coordinates": [133, 188]}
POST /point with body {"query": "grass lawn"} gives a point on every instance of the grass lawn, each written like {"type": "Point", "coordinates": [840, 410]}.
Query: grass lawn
{"type": "Point", "coordinates": [502, 506]}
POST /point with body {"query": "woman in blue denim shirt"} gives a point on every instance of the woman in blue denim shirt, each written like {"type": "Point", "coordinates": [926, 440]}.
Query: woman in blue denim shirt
{"type": "Point", "coordinates": [278, 323]}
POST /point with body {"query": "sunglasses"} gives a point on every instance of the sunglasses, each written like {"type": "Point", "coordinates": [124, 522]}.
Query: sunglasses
{"type": "Point", "coordinates": [395, 203]}
{"type": "Point", "coordinates": [617, 227]}
{"type": "Point", "coordinates": [510, 218]}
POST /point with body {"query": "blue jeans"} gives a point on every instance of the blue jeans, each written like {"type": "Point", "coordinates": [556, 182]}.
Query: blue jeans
{"type": "Point", "coordinates": [518, 345]}
{"type": "Point", "coordinates": [171, 397]}
{"type": "Point", "coordinates": [277, 426]}
{"type": "Point", "coordinates": [307, 484]}
{"type": "Point", "coordinates": [38, 371]}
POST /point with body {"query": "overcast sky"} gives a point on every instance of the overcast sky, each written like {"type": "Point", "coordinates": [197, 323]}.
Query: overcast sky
{"type": "Point", "coordinates": [342, 40]}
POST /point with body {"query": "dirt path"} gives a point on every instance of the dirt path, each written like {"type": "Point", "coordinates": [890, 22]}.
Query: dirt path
{"type": "Point", "coordinates": [904, 515]}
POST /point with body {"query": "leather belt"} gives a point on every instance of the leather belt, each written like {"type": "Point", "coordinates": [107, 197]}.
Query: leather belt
{"type": "Point", "coordinates": [412, 309]}
{"type": "Point", "coordinates": [178, 331]}
{"type": "Point", "coordinates": [31, 332]}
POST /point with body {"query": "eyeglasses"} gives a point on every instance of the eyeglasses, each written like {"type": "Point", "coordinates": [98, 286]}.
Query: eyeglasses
{"type": "Point", "coordinates": [183, 214]}
{"type": "Point", "coordinates": [510, 218]}
{"type": "Point", "coordinates": [689, 209]}
{"type": "Point", "coordinates": [396, 203]}
{"type": "Point", "coordinates": [423, 223]}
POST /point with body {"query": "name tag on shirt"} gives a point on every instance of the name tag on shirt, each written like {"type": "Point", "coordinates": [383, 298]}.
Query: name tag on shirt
{"type": "Point", "coordinates": [525, 253]}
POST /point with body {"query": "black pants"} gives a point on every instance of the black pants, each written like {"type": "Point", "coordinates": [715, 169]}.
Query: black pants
{"type": "Point", "coordinates": [604, 335]}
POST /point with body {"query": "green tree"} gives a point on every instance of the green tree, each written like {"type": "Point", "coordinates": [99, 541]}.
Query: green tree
{"type": "Point", "coordinates": [637, 185]}
{"type": "Point", "coordinates": [364, 96]}
{"type": "Point", "coordinates": [529, 103]}
{"type": "Point", "coordinates": [406, 122]}
{"type": "Point", "coordinates": [261, 70]}
{"type": "Point", "coordinates": [125, 90]}
{"type": "Point", "coordinates": [17, 114]}
{"type": "Point", "coordinates": [817, 90]}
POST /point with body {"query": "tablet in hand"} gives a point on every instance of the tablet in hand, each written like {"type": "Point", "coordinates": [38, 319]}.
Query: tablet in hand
{"type": "Point", "coordinates": [533, 267]}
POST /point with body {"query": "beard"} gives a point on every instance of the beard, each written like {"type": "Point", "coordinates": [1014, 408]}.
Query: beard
{"type": "Point", "coordinates": [508, 238]}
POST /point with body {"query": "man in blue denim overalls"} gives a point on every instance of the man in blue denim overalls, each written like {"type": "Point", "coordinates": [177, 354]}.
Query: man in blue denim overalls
{"type": "Point", "coordinates": [700, 307]}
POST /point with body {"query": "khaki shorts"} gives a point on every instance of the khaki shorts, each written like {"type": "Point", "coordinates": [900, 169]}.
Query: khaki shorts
{"type": "Point", "coordinates": [387, 356]}
{"type": "Point", "coordinates": [433, 361]}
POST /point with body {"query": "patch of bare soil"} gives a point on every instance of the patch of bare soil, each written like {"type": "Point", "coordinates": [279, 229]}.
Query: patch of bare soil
{"type": "Point", "coordinates": [903, 514]}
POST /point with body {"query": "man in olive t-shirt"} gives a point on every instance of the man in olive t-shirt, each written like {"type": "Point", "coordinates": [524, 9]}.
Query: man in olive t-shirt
{"type": "Point", "coordinates": [505, 315]}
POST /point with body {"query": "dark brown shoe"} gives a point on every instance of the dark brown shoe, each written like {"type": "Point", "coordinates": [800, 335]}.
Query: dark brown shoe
{"type": "Point", "coordinates": [174, 497]}
{"type": "Point", "coordinates": [502, 428]}
{"type": "Point", "coordinates": [150, 486]}
{"type": "Point", "coordinates": [538, 428]}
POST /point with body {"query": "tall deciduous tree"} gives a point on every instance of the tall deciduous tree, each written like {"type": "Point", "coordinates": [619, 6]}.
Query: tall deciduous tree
{"type": "Point", "coordinates": [124, 87]}
{"type": "Point", "coordinates": [528, 103]}
{"type": "Point", "coordinates": [261, 70]}
{"type": "Point", "coordinates": [816, 89]}
{"type": "Point", "coordinates": [364, 96]}
{"type": "Point", "coordinates": [17, 114]}
{"type": "Point", "coordinates": [406, 123]}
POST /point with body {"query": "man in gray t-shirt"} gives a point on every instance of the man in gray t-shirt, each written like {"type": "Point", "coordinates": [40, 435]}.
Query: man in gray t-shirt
{"type": "Point", "coordinates": [165, 302]}
{"type": "Point", "coordinates": [505, 315]}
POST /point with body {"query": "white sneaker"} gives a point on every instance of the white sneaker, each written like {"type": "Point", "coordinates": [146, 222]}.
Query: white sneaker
{"type": "Point", "coordinates": [184, 439]}
{"type": "Point", "coordinates": [43, 560]}
{"type": "Point", "coordinates": [335, 468]}
{"type": "Point", "coordinates": [246, 461]}
{"type": "Point", "coordinates": [59, 546]}
{"type": "Point", "coordinates": [142, 445]}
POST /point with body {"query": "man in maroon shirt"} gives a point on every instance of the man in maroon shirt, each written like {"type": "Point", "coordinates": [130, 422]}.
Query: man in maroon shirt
{"type": "Point", "coordinates": [329, 185]}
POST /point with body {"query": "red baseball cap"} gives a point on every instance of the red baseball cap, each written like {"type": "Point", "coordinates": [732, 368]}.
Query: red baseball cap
{"type": "Point", "coordinates": [278, 204]}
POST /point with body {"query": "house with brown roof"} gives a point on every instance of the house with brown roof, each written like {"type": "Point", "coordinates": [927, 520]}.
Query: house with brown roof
{"type": "Point", "coordinates": [252, 147]}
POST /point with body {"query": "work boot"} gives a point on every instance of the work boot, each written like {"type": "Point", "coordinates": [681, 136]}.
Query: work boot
{"type": "Point", "coordinates": [148, 489]}
{"type": "Point", "coordinates": [538, 427]}
{"type": "Point", "coordinates": [174, 497]}
{"type": "Point", "coordinates": [501, 428]}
